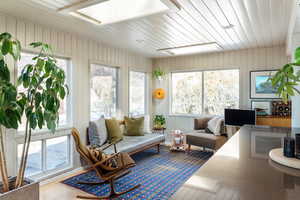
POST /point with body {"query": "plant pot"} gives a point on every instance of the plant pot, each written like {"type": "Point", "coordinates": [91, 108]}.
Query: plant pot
{"type": "Point", "coordinates": [30, 190]}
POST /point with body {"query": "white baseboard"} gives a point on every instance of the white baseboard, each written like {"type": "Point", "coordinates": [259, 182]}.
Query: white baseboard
{"type": "Point", "coordinates": [61, 176]}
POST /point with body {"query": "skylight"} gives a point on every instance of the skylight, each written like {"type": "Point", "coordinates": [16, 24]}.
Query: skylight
{"type": "Point", "coordinates": [113, 11]}
{"type": "Point", "coordinates": [191, 49]}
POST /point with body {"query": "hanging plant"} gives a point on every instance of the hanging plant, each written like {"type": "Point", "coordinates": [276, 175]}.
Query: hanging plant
{"type": "Point", "coordinates": [158, 74]}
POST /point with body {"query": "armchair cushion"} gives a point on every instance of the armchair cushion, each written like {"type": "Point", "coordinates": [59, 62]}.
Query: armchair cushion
{"type": "Point", "coordinates": [97, 132]}
{"type": "Point", "coordinates": [201, 123]}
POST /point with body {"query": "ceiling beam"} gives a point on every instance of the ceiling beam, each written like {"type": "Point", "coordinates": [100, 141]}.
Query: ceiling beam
{"type": "Point", "coordinates": [78, 5]}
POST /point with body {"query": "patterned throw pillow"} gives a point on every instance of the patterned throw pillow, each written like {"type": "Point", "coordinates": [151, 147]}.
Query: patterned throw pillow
{"type": "Point", "coordinates": [214, 125]}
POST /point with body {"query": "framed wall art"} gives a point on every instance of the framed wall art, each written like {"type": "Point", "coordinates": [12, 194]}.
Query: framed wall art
{"type": "Point", "coordinates": [260, 87]}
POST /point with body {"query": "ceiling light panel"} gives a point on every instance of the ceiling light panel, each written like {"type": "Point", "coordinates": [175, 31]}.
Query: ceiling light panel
{"type": "Point", "coordinates": [114, 11]}
{"type": "Point", "coordinates": [192, 49]}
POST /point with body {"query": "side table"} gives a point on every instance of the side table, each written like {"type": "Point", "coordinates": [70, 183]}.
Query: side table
{"type": "Point", "coordinates": [159, 130]}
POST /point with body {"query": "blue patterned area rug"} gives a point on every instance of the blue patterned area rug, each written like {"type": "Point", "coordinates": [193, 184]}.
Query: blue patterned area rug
{"type": "Point", "coordinates": [160, 175]}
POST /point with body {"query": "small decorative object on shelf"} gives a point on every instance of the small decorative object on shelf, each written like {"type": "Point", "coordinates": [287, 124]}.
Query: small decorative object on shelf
{"type": "Point", "coordinates": [279, 108]}
{"type": "Point", "coordinates": [297, 153]}
{"type": "Point", "coordinates": [289, 147]}
{"type": "Point", "coordinates": [178, 141]}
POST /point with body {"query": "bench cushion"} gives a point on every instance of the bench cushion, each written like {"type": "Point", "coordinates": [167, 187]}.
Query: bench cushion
{"type": "Point", "coordinates": [203, 139]}
{"type": "Point", "coordinates": [132, 143]}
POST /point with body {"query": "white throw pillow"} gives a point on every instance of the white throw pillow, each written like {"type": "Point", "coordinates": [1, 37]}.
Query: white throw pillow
{"type": "Point", "coordinates": [214, 125]}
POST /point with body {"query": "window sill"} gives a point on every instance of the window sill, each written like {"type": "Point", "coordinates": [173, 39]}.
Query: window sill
{"type": "Point", "coordinates": [20, 134]}
{"type": "Point", "coordinates": [43, 176]}
{"type": "Point", "coordinates": [184, 115]}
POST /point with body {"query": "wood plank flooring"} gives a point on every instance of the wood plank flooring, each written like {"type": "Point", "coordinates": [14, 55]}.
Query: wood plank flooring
{"type": "Point", "coordinates": [57, 190]}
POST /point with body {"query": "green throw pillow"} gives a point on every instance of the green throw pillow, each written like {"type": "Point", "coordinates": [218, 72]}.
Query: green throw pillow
{"type": "Point", "coordinates": [113, 129]}
{"type": "Point", "coordinates": [134, 126]}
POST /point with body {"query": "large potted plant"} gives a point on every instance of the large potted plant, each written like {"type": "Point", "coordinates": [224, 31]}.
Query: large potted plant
{"type": "Point", "coordinates": [44, 88]}
{"type": "Point", "coordinates": [286, 79]}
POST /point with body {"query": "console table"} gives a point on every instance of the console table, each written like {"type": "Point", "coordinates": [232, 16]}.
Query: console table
{"type": "Point", "coordinates": [275, 121]}
{"type": "Point", "coordinates": [235, 173]}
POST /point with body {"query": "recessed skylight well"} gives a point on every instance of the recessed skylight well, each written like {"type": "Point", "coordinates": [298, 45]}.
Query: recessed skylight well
{"type": "Point", "coordinates": [113, 11]}
{"type": "Point", "coordinates": [192, 49]}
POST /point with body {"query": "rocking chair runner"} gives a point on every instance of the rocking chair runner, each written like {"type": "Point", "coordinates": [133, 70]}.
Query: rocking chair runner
{"type": "Point", "coordinates": [104, 171]}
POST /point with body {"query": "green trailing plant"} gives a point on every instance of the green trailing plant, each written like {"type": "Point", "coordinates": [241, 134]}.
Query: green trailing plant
{"type": "Point", "coordinates": [45, 87]}
{"type": "Point", "coordinates": [286, 79]}
{"type": "Point", "coordinates": [159, 121]}
{"type": "Point", "coordinates": [10, 110]}
{"type": "Point", "coordinates": [158, 73]}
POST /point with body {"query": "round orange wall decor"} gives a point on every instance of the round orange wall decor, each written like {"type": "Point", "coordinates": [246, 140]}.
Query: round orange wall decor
{"type": "Point", "coordinates": [159, 93]}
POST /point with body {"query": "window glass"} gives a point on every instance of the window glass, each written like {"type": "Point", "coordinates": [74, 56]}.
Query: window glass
{"type": "Point", "coordinates": [34, 161]}
{"type": "Point", "coordinates": [137, 88]}
{"type": "Point", "coordinates": [221, 89]}
{"type": "Point", "coordinates": [26, 58]}
{"type": "Point", "coordinates": [187, 93]}
{"type": "Point", "coordinates": [103, 91]}
{"type": "Point", "coordinates": [57, 152]}
{"type": "Point", "coordinates": [218, 90]}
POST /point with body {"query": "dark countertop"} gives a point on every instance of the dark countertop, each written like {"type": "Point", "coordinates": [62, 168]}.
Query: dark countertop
{"type": "Point", "coordinates": [241, 170]}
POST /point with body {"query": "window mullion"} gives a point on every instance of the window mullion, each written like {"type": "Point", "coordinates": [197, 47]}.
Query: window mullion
{"type": "Point", "coordinates": [203, 106]}
{"type": "Point", "coordinates": [44, 155]}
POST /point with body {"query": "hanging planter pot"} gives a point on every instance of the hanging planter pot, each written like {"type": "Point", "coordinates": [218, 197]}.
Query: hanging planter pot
{"type": "Point", "coordinates": [158, 74]}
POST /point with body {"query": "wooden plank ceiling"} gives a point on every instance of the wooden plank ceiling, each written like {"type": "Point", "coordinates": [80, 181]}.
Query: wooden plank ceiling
{"type": "Point", "coordinates": [257, 23]}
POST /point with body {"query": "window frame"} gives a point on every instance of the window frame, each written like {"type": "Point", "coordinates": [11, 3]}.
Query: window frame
{"type": "Point", "coordinates": [118, 92]}
{"type": "Point", "coordinates": [44, 172]}
{"type": "Point", "coordinates": [203, 103]}
{"type": "Point", "coordinates": [146, 90]}
{"type": "Point", "coordinates": [69, 98]}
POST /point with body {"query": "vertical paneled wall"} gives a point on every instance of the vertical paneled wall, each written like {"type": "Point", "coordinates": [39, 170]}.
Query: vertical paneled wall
{"type": "Point", "coordinates": [82, 51]}
{"type": "Point", "coordinates": [244, 60]}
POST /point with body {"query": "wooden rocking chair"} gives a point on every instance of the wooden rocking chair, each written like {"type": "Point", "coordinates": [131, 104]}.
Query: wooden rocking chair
{"type": "Point", "coordinates": [107, 173]}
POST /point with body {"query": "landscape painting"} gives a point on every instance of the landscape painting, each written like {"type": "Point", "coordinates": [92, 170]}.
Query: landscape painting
{"type": "Point", "coordinates": [263, 86]}
{"type": "Point", "coordinates": [260, 87]}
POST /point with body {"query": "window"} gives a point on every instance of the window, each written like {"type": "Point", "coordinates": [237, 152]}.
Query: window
{"type": "Point", "coordinates": [103, 91]}
{"type": "Point", "coordinates": [221, 90]}
{"type": "Point", "coordinates": [137, 93]}
{"type": "Point", "coordinates": [64, 112]}
{"type": "Point", "coordinates": [47, 155]}
{"type": "Point", "coordinates": [187, 93]}
{"type": "Point", "coordinates": [208, 92]}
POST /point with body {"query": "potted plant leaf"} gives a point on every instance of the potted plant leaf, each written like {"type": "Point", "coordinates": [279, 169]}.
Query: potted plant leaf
{"type": "Point", "coordinates": [158, 74]}
{"type": "Point", "coordinates": [159, 122]}
{"type": "Point", "coordinates": [44, 88]}
{"type": "Point", "coordinates": [286, 79]}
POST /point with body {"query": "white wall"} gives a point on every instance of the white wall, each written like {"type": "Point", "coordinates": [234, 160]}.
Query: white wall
{"type": "Point", "coordinates": [81, 51]}
{"type": "Point", "coordinates": [296, 99]}
{"type": "Point", "coordinates": [245, 60]}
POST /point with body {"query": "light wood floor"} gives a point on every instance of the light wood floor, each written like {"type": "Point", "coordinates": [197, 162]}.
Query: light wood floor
{"type": "Point", "coordinates": [57, 190]}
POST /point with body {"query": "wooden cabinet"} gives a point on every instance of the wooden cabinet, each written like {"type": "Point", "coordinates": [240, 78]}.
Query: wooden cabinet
{"type": "Point", "coordinates": [275, 121]}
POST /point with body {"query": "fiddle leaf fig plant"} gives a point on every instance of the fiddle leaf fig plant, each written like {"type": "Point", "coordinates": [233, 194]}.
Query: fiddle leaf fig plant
{"type": "Point", "coordinates": [45, 87]}
{"type": "Point", "coordinates": [286, 79]}
{"type": "Point", "coordinates": [10, 110]}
